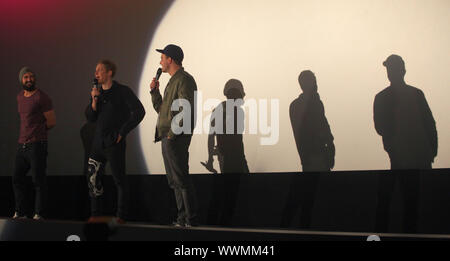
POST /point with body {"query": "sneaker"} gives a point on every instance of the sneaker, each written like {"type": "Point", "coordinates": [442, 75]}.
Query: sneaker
{"type": "Point", "coordinates": [18, 216]}
{"type": "Point", "coordinates": [37, 217]}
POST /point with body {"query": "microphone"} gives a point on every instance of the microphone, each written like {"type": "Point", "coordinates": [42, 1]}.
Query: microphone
{"type": "Point", "coordinates": [95, 83]}
{"type": "Point", "coordinates": [158, 73]}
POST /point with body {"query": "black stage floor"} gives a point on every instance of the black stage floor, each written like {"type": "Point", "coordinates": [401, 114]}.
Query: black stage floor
{"type": "Point", "coordinates": [347, 205]}
{"type": "Point", "coordinates": [55, 230]}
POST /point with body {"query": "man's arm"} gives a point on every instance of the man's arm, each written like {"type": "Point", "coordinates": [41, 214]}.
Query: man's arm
{"type": "Point", "coordinates": [211, 137]}
{"type": "Point", "coordinates": [50, 118]}
{"type": "Point", "coordinates": [92, 109]}
{"type": "Point", "coordinates": [296, 113]}
{"type": "Point", "coordinates": [327, 136]}
{"type": "Point", "coordinates": [91, 114]}
{"type": "Point", "coordinates": [429, 122]}
{"type": "Point", "coordinates": [47, 110]}
{"type": "Point", "coordinates": [137, 112]}
{"type": "Point", "coordinates": [156, 95]}
{"type": "Point", "coordinates": [378, 114]}
{"type": "Point", "coordinates": [156, 100]}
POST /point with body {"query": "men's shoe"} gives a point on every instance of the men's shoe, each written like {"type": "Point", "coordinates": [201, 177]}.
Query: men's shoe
{"type": "Point", "coordinates": [37, 217]}
{"type": "Point", "coordinates": [18, 216]}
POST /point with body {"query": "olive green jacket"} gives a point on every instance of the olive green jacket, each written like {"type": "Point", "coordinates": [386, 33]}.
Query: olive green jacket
{"type": "Point", "coordinates": [180, 86]}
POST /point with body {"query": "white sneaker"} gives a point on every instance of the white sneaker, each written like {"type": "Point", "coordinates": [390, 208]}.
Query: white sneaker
{"type": "Point", "coordinates": [17, 216]}
{"type": "Point", "coordinates": [37, 217]}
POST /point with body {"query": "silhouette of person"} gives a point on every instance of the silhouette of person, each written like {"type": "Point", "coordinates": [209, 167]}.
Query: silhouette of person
{"type": "Point", "coordinates": [312, 132]}
{"type": "Point", "coordinates": [230, 145]}
{"type": "Point", "coordinates": [227, 126]}
{"type": "Point", "coordinates": [315, 147]}
{"type": "Point", "coordinates": [404, 120]}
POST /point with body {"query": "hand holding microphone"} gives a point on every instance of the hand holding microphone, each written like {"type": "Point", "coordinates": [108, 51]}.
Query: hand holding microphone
{"type": "Point", "coordinates": [95, 92]}
{"type": "Point", "coordinates": [154, 85]}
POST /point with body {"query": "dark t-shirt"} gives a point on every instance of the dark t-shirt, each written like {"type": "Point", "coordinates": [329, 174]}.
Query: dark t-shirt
{"type": "Point", "coordinates": [32, 120]}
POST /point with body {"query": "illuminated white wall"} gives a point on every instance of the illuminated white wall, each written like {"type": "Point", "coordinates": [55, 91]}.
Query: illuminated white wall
{"type": "Point", "coordinates": [266, 44]}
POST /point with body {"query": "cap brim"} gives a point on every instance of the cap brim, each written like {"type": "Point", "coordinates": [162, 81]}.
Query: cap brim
{"type": "Point", "coordinates": [160, 50]}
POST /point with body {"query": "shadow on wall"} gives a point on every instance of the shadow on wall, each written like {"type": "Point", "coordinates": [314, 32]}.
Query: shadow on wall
{"type": "Point", "coordinates": [404, 120]}
{"type": "Point", "coordinates": [226, 142]}
{"type": "Point", "coordinates": [315, 147]}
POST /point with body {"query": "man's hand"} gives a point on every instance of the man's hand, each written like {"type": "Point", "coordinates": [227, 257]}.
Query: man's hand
{"type": "Point", "coordinates": [94, 93]}
{"type": "Point", "coordinates": [119, 138]}
{"type": "Point", "coordinates": [154, 85]}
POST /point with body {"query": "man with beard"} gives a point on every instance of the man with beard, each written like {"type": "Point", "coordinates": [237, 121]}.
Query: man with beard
{"type": "Point", "coordinates": [36, 118]}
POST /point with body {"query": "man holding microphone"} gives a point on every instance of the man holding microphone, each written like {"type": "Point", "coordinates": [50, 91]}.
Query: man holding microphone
{"type": "Point", "coordinates": [175, 146]}
{"type": "Point", "coordinates": [116, 110]}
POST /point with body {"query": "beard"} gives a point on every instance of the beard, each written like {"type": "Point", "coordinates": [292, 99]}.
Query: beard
{"type": "Point", "coordinates": [30, 88]}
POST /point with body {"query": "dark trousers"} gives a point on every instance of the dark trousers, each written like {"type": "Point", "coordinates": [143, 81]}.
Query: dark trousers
{"type": "Point", "coordinates": [115, 156]}
{"type": "Point", "coordinates": [176, 161]}
{"type": "Point", "coordinates": [31, 156]}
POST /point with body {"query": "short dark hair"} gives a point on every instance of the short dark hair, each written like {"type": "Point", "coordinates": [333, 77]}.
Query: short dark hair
{"type": "Point", "coordinates": [177, 62]}
{"type": "Point", "coordinates": [109, 65]}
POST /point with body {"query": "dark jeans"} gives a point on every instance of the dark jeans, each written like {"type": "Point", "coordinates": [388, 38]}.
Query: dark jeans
{"type": "Point", "coordinates": [176, 161]}
{"type": "Point", "coordinates": [30, 156]}
{"type": "Point", "coordinates": [115, 155]}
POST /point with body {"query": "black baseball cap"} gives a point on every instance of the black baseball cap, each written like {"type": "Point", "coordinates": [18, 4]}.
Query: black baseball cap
{"type": "Point", "coordinates": [394, 61]}
{"type": "Point", "coordinates": [172, 51]}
